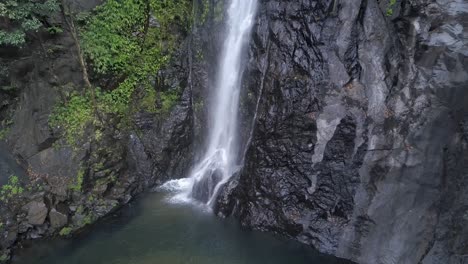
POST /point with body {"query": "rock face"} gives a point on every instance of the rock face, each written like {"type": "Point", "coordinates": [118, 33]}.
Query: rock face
{"type": "Point", "coordinates": [57, 219]}
{"type": "Point", "coordinates": [359, 145]}
{"type": "Point", "coordinates": [79, 185]}
{"type": "Point", "coordinates": [37, 213]}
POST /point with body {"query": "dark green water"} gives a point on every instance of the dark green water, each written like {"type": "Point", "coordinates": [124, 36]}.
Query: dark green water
{"type": "Point", "coordinates": [8, 166]}
{"type": "Point", "coordinates": [153, 231]}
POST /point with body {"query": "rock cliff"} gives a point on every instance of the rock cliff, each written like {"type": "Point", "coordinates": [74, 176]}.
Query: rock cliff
{"type": "Point", "coordinates": [359, 145]}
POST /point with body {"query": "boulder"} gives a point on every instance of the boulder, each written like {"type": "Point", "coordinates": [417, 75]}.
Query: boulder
{"type": "Point", "coordinates": [37, 213]}
{"type": "Point", "coordinates": [57, 219]}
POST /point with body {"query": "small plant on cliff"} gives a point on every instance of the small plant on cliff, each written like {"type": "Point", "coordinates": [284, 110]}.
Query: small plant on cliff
{"type": "Point", "coordinates": [88, 219]}
{"type": "Point", "coordinates": [129, 41]}
{"type": "Point", "coordinates": [6, 128]}
{"type": "Point", "coordinates": [73, 116]}
{"type": "Point", "coordinates": [390, 6]}
{"type": "Point", "coordinates": [66, 231]}
{"type": "Point", "coordinates": [78, 185]}
{"type": "Point", "coordinates": [3, 133]}
{"type": "Point", "coordinates": [11, 189]}
{"type": "Point", "coordinates": [132, 40]}
{"type": "Point", "coordinates": [21, 16]}
{"type": "Point", "coordinates": [3, 258]}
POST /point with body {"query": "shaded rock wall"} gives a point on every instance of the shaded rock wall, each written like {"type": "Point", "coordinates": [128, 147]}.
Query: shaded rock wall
{"type": "Point", "coordinates": [72, 187]}
{"type": "Point", "coordinates": [359, 146]}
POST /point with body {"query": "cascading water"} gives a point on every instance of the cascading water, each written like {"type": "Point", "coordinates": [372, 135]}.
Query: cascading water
{"type": "Point", "coordinates": [221, 157]}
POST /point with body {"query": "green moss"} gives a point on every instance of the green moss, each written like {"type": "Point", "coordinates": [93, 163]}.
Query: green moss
{"type": "Point", "coordinates": [80, 209]}
{"type": "Point", "coordinates": [12, 189]}
{"type": "Point", "coordinates": [169, 99]}
{"type": "Point", "coordinates": [205, 11]}
{"type": "Point", "coordinates": [4, 258]}
{"type": "Point", "coordinates": [88, 219]}
{"type": "Point", "coordinates": [390, 6]}
{"type": "Point", "coordinates": [199, 105]}
{"type": "Point", "coordinates": [4, 133]}
{"type": "Point", "coordinates": [199, 56]}
{"type": "Point", "coordinates": [91, 198]}
{"type": "Point", "coordinates": [117, 41]}
{"type": "Point", "coordinates": [55, 30]}
{"type": "Point", "coordinates": [6, 128]}
{"type": "Point", "coordinates": [78, 185]}
{"type": "Point", "coordinates": [73, 116]}
{"type": "Point", "coordinates": [98, 166]}
{"type": "Point", "coordinates": [219, 11]}
{"type": "Point", "coordinates": [65, 231]}
{"type": "Point", "coordinates": [117, 38]}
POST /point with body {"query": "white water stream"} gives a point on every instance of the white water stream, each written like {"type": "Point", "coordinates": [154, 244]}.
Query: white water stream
{"type": "Point", "coordinates": [221, 157]}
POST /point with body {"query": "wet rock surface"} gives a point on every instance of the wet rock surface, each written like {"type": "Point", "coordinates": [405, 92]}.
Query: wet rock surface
{"type": "Point", "coordinates": [359, 145]}
{"type": "Point", "coordinates": [57, 219]}
{"type": "Point", "coordinates": [204, 188]}
{"type": "Point", "coordinates": [37, 213]}
{"type": "Point", "coordinates": [66, 189]}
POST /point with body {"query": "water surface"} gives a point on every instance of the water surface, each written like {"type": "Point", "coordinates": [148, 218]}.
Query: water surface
{"type": "Point", "coordinates": [8, 165]}
{"type": "Point", "coordinates": [153, 231]}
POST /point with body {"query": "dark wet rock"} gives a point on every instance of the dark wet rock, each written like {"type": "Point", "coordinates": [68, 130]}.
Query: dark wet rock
{"type": "Point", "coordinates": [37, 212]}
{"type": "Point", "coordinates": [359, 141]}
{"type": "Point", "coordinates": [10, 237]}
{"type": "Point", "coordinates": [84, 183]}
{"type": "Point", "coordinates": [38, 232]}
{"type": "Point", "coordinates": [204, 188]}
{"type": "Point", "coordinates": [78, 219]}
{"type": "Point", "coordinates": [57, 219]}
{"type": "Point", "coordinates": [105, 207]}
{"type": "Point", "coordinates": [24, 227]}
{"type": "Point", "coordinates": [225, 204]}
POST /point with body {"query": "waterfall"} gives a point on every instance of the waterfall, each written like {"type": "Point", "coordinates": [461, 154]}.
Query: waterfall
{"type": "Point", "coordinates": [221, 157]}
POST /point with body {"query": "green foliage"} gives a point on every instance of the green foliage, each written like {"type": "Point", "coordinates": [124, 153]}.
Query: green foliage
{"type": "Point", "coordinates": [118, 40]}
{"type": "Point", "coordinates": [6, 128]}
{"type": "Point", "coordinates": [206, 6]}
{"type": "Point", "coordinates": [198, 105]}
{"type": "Point", "coordinates": [11, 189]}
{"type": "Point", "coordinates": [73, 116]}
{"type": "Point", "coordinates": [22, 16]}
{"type": "Point", "coordinates": [78, 185]}
{"type": "Point", "coordinates": [3, 133]}
{"type": "Point", "coordinates": [390, 6]}
{"type": "Point", "coordinates": [131, 41]}
{"type": "Point", "coordinates": [54, 30]}
{"type": "Point", "coordinates": [205, 11]}
{"type": "Point", "coordinates": [87, 220]}
{"type": "Point", "coordinates": [168, 99]}
{"type": "Point", "coordinates": [117, 100]}
{"type": "Point", "coordinates": [108, 39]}
{"type": "Point", "coordinates": [219, 11]}
{"type": "Point", "coordinates": [66, 231]}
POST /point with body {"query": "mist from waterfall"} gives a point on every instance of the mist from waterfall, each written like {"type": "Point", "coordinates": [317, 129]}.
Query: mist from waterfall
{"type": "Point", "coordinates": [221, 157]}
